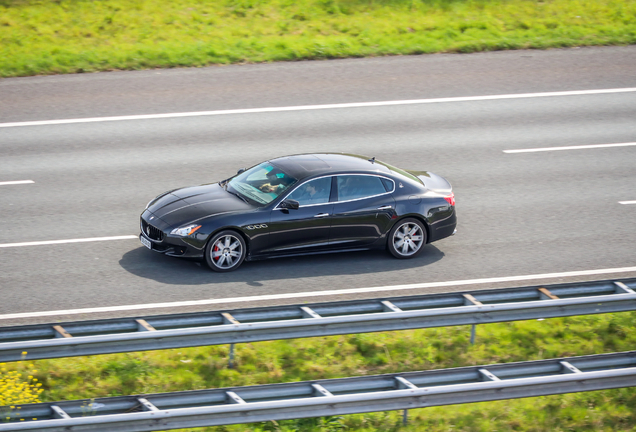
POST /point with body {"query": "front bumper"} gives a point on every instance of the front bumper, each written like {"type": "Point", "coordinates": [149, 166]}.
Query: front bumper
{"type": "Point", "coordinates": [162, 247]}
{"type": "Point", "coordinates": [155, 235]}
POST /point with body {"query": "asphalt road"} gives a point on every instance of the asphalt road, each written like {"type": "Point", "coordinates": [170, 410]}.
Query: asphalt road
{"type": "Point", "coordinates": [519, 214]}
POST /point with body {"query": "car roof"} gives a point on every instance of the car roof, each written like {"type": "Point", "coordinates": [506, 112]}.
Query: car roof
{"type": "Point", "coordinates": [311, 165]}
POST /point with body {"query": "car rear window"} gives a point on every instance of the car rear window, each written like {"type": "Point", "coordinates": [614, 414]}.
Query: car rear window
{"type": "Point", "coordinates": [400, 171]}
{"type": "Point", "coordinates": [351, 187]}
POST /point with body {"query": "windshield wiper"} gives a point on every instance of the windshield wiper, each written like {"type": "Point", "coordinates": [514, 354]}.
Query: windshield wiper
{"type": "Point", "coordinates": [234, 193]}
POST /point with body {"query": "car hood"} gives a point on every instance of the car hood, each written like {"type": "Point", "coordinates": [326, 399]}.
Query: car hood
{"type": "Point", "coordinates": [181, 206]}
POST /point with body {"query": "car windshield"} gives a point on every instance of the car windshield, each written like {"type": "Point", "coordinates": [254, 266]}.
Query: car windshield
{"type": "Point", "coordinates": [262, 183]}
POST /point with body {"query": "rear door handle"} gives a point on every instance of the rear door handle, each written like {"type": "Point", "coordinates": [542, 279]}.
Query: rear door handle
{"type": "Point", "coordinates": [322, 215]}
{"type": "Point", "coordinates": [386, 207]}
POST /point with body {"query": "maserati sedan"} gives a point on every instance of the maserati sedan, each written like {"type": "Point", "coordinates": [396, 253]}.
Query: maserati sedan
{"type": "Point", "coordinates": [302, 204]}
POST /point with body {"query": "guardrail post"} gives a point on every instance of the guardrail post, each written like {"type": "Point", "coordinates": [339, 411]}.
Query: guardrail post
{"type": "Point", "coordinates": [621, 288]}
{"type": "Point", "coordinates": [60, 332]}
{"type": "Point", "coordinates": [545, 294]}
{"type": "Point", "coordinates": [230, 363]}
{"type": "Point", "coordinates": [309, 313]}
{"type": "Point", "coordinates": [59, 413]}
{"type": "Point", "coordinates": [403, 383]}
{"type": "Point", "coordinates": [469, 300]}
{"type": "Point", "coordinates": [142, 325]}
{"type": "Point", "coordinates": [229, 319]}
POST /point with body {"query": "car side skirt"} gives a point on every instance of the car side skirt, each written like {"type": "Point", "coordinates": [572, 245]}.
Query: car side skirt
{"type": "Point", "coordinates": [321, 252]}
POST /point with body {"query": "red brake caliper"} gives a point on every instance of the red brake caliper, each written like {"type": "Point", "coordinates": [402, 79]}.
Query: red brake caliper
{"type": "Point", "coordinates": [216, 248]}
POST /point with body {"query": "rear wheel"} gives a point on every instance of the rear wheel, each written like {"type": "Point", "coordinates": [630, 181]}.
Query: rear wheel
{"type": "Point", "coordinates": [225, 251]}
{"type": "Point", "coordinates": [407, 238]}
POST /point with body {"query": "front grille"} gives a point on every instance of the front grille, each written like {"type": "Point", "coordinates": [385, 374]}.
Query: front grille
{"type": "Point", "coordinates": [152, 232]}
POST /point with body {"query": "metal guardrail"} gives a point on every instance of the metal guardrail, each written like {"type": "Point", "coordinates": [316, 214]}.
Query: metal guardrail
{"type": "Point", "coordinates": [320, 319]}
{"type": "Point", "coordinates": [330, 397]}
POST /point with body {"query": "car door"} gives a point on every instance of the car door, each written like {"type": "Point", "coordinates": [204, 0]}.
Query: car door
{"type": "Point", "coordinates": [305, 229]}
{"type": "Point", "coordinates": [363, 210]}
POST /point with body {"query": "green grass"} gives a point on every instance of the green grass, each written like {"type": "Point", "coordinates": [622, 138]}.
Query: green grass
{"type": "Point", "coordinates": [66, 36]}
{"type": "Point", "coordinates": [364, 354]}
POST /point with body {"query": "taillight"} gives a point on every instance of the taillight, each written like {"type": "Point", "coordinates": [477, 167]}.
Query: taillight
{"type": "Point", "coordinates": [450, 199]}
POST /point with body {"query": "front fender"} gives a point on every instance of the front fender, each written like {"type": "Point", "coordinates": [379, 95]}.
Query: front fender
{"type": "Point", "coordinates": [252, 226]}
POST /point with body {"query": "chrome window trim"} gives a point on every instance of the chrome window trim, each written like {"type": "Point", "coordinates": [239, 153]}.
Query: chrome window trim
{"type": "Point", "coordinates": [338, 202]}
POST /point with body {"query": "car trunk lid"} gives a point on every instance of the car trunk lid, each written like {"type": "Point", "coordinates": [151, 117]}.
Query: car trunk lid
{"type": "Point", "coordinates": [433, 182]}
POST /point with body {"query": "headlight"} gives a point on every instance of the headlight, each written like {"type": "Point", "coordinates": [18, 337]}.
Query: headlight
{"type": "Point", "coordinates": [185, 231]}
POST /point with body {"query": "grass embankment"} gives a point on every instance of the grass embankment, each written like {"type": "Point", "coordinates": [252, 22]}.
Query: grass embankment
{"type": "Point", "coordinates": [66, 36]}
{"type": "Point", "coordinates": [364, 354]}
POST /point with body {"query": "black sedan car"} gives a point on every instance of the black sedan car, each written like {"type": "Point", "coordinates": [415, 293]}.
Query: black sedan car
{"type": "Point", "coordinates": [303, 204]}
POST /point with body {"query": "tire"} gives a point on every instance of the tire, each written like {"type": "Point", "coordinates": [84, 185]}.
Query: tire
{"type": "Point", "coordinates": [407, 238]}
{"type": "Point", "coordinates": [225, 251]}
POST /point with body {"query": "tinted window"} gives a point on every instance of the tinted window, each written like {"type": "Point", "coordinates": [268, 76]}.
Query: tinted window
{"type": "Point", "coordinates": [313, 192]}
{"type": "Point", "coordinates": [352, 187]}
{"type": "Point", "coordinates": [388, 184]}
{"type": "Point", "coordinates": [400, 171]}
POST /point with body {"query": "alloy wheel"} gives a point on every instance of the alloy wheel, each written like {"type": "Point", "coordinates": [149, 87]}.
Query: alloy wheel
{"type": "Point", "coordinates": [226, 252]}
{"type": "Point", "coordinates": [408, 239]}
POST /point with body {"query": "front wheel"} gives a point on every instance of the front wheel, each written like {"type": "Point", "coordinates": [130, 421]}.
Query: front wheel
{"type": "Point", "coordinates": [225, 251]}
{"type": "Point", "coordinates": [407, 238]}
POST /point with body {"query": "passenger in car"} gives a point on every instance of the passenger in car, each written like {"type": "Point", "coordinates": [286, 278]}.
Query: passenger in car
{"type": "Point", "coordinates": [350, 189]}
{"type": "Point", "coordinates": [313, 195]}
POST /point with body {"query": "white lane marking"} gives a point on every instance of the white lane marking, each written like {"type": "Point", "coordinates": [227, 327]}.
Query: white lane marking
{"type": "Point", "coordinates": [16, 182]}
{"type": "Point", "coordinates": [579, 147]}
{"type": "Point", "coordinates": [318, 293]}
{"type": "Point", "coordinates": [81, 240]}
{"type": "Point", "coordinates": [319, 107]}
{"type": "Point", "coordinates": [627, 202]}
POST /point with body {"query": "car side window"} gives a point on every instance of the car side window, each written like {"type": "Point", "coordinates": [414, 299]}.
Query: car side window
{"type": "Point", "coordinates": [313, 192]}
{"type": "Point", "coordinates": [388, 184]}
{"type": "Point", "coordinates": [352, 187]}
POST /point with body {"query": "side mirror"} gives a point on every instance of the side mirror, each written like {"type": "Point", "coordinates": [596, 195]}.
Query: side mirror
{"type": "Point", "coordinates": [290, 204]}
{"type": "Point", "coordinates": [241, 171]}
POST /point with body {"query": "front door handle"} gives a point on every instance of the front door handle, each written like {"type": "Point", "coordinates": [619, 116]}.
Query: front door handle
{"type": "Point", "coordinates": [386, 207]}
{"type": "Point", "coordinates": [322, 215]}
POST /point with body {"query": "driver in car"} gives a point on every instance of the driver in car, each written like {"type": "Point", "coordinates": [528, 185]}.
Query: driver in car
{"type": "Point", "coordinates": [276, 188]}
{"type": "Point", "coordinates": [269, 188]}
